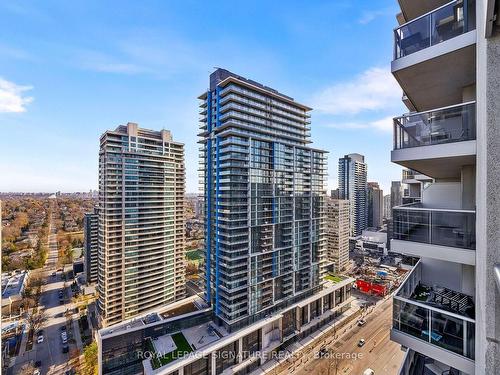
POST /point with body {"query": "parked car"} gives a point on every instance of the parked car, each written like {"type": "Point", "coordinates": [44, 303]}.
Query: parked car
{"type": "Point", "coordinates": [361, 342]}
{"type": "Point", "coordinates": [40, 332]}
{"type": "Point", "coordinates": [53, 274]}
{"type": "Point", "coordinates": [65, 348]}
{"type": "Point", "coordinates": [39, 340]}
{"type": "Point", "coordinates": [361, 322]}
{"type": "Point", "coordinates": [368, 371]}
{"type": "Point", "coordinates": [63, 327]}
{"type": "Point", "coordinates": [36, 372]}
{"type": "Point", "coordinates": [38, 363]}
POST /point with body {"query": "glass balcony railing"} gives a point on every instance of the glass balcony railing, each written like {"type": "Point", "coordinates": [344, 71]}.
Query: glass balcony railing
{"type": "Point", "coordinates": [408, 174]}
{"type": "Point", "coordinates": [444, 23]}
{"type": "Point", "coordinates": [437, 315]}
{"type": "Point", "coordinates": [455, 228]}
{"type": "Point", "coordinates": [445, 125]}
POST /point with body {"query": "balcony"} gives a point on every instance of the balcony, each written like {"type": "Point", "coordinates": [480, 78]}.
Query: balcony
{"type": "Point", "coordinates": [412, 9]}
{"type": "Point", "coordinates": [409, 176]}
{"type": "Point", "coordinates": [435, 321]}
{"type": "Point", "coordinates": [438, 142]}
{"type": "Point", "coordinates": [441, 24]}
{"type": "Point", "coordinates": [423, 47]}
{"type": "Point", "coordinates": [435, 233]}
{"type": "Point", "coordinates": [416, 364]}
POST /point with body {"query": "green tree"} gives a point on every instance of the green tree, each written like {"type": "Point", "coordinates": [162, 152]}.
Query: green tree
{"type": "Point", "coordinates": [89, 366]}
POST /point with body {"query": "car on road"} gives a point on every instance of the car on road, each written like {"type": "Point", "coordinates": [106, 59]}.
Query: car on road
{"type": "Point", "coordinates": [361, 322]}
{"type": "Point", "coordinates": [39, 340]}
{"type": "Point", "coordinates": [361, 342]}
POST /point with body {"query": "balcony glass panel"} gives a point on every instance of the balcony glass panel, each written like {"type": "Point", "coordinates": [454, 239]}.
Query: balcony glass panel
{"type": "Point", "coordinates": [454, 228]}
{"type": "Point", "coordinates": [442, 24]}
{"type": "Point", "coordinates": [435, 314]}
{"type": "Point", "coordinates": [450, 124]}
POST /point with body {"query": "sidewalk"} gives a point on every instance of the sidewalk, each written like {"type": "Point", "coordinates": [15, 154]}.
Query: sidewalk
{"type": "Point", "coordinates": [298, 350]}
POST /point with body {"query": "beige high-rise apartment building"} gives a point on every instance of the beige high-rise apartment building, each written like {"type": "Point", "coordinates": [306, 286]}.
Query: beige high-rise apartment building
{"type": "Point", "coordinates": [141, 222]}
{"type": "Point", "coordinates": [337, 229]}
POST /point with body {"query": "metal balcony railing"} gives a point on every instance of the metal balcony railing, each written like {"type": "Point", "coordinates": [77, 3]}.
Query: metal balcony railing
{"type": "Point", "coordinates": [444, 125]}
{"type": "Point", "coordinates": [454, 228]}
{"type": "Point", "coordinates": [444, 23]}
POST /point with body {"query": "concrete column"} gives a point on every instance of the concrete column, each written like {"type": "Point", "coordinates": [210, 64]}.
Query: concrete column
{"type": "Point", "coordinates": [213, 363]}
{"type": "Point", "coordinates": [239, 349]}
{"type": "Point", "coordinates": [468, 187]}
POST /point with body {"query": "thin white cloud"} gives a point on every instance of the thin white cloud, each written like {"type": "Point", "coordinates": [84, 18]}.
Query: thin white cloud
{"type": "Point", "coordinates": [373, 90]}
{"type": "Point", "coordinates": [100, 62]}
{"type": "Point", "coordinates": [369, 16]}
{"type": "Point", "coordinates": [384, 124]}
{"type": "Point", "coordinates": [12, 98]}
{"type": "Point", "coordinates": [8, 51]}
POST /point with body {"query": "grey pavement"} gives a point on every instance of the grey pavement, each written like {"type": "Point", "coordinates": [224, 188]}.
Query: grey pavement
{"type": "Point", "coordinates": [49, 352]}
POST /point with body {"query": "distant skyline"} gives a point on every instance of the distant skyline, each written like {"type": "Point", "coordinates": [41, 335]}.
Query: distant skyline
{"type": "Point", "coordinates": [147, 63]}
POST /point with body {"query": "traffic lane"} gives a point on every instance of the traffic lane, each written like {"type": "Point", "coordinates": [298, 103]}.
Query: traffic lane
{"type": "Point", "coordinates": [345, 352]}
{"type": "Point", "coordinates": [50, 351]}
{"type": "Point", "coordinates": [378, 352]}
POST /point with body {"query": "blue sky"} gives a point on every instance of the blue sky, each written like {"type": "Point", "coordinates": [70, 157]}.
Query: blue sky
{"type": "Point", "coordinates": [69, 70]}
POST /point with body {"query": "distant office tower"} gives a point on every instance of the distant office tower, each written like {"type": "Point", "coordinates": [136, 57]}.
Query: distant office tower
{"type": "Point", "coordinates": [447, 62]}
{"type": "Point", "coordinates": [353, 186]}
{"type": "Point", "coordinates": [264, 200]}
{"type": "Point", "coordinates": [334, 194]}
{"type": "Point", "coordinates": [387, 206]}
{"type": "Point", "coordinates": [141, 222]}
{"type": "Point", "coordinates": [337, 233]}
{"type": "Point", "coordinates": [396, 193]}
{"type": "Point", "coordinates": [91, 244]}
{"type": "Point", "coordinates": [375, 197]}
{"type": "Point", "coordinates": [198, 207]}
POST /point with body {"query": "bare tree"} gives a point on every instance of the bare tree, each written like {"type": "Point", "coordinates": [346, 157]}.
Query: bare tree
{"type": "Point", "coordinates": [334, 362]}
{"type": "Point", "coordinates": [27, 369]}
{"type": "Point", "coordinates": [36, 320]}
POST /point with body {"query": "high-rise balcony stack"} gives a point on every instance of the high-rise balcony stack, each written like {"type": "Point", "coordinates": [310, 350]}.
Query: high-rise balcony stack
{"type": "Point", "coordinates": [446, 311]}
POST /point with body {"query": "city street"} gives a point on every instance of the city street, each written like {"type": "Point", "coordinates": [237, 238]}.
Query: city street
{"type": "Point", "coordinates": [378, 353]}
{"type": "Point", "coordinates": [49, 352]}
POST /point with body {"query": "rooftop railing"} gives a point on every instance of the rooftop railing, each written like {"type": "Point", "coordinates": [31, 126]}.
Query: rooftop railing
{"type": "Point", "coordinates": [444, 125]}
{"type": "Point", "coordinates": [446, 22]}
{"type": "Point", "coordinates": [454, 228]}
